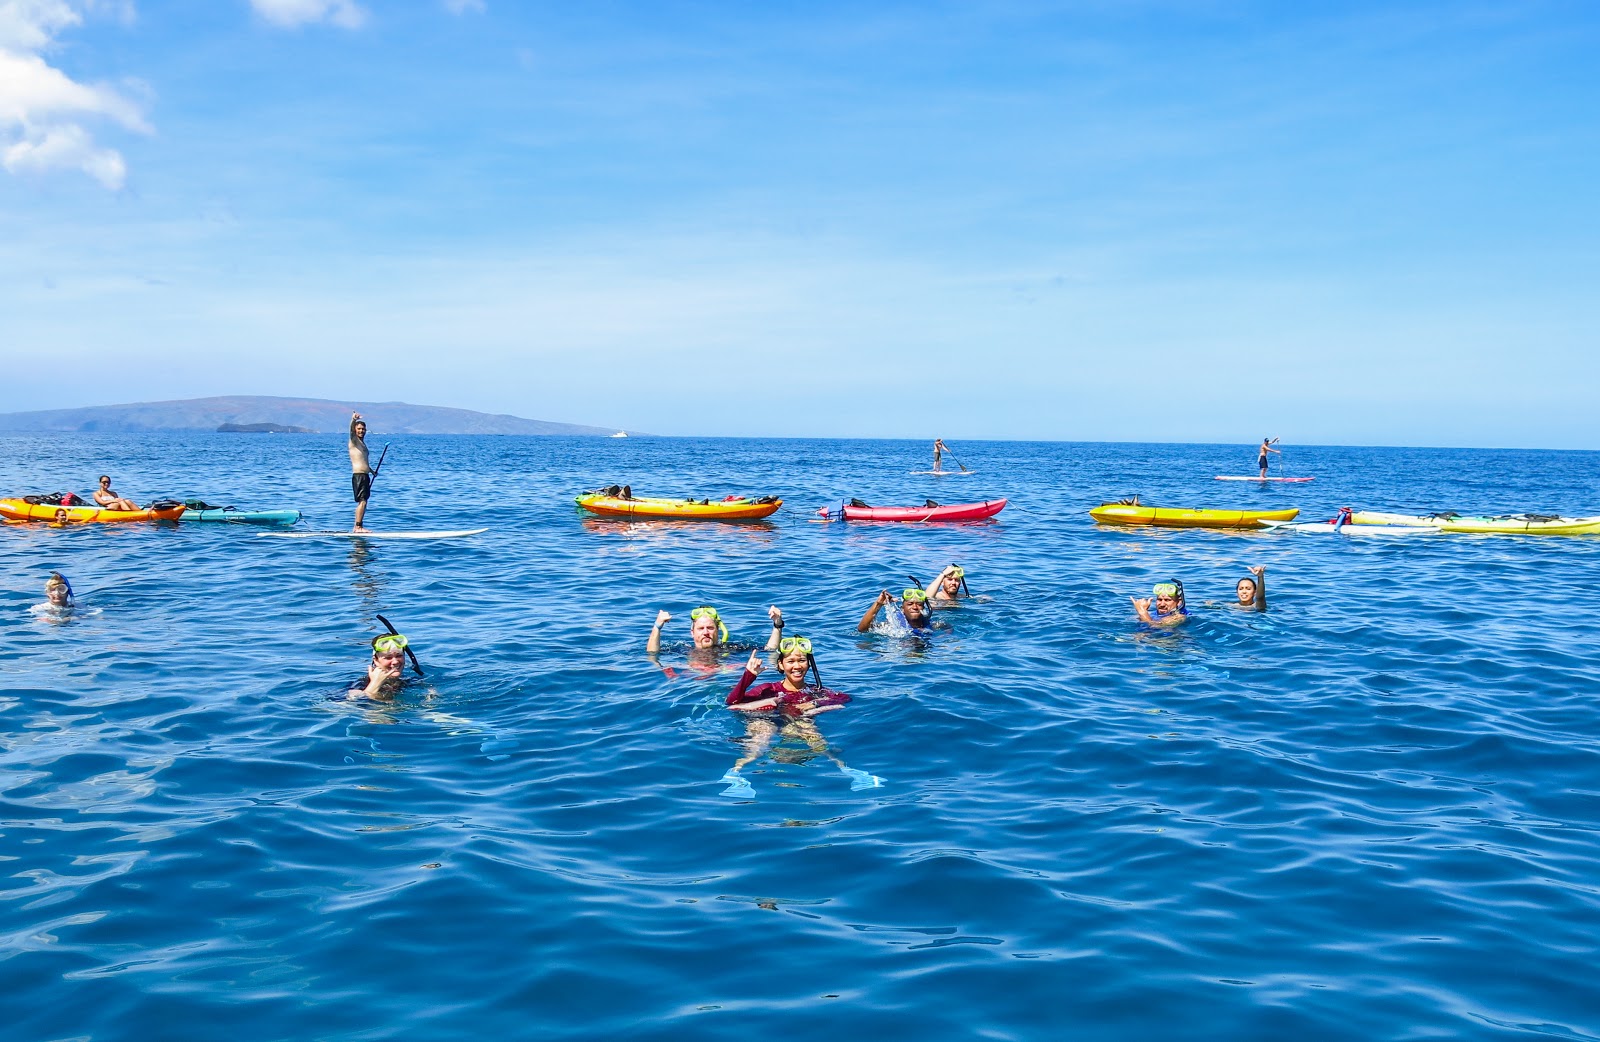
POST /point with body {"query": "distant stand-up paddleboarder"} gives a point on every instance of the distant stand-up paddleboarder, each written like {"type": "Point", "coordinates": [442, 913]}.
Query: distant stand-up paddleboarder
{"type": "Point", "coordinates": [1261, 460]}
{"type": "Point", "coordinates": [360, 469]}
{"type": "Point", "coordinates": [939, 449]}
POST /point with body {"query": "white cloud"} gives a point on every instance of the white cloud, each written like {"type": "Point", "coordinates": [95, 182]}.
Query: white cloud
{"type": "Point", "coordinates": [290, 13]}
{"type": "Point", "coordinates": [463, 6]}
{"type": "Point", "coordinates": [65, 147]}
{"type": "Point", "coordinates": [30, 25]}
{"type": "Point", "coordinates": [42, 109]}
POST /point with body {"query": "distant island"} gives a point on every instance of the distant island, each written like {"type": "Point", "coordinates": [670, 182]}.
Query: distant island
{"type": "Point", "coordinates": [253, 414]}
{"type": "Point", "coordinates": [262, 428]}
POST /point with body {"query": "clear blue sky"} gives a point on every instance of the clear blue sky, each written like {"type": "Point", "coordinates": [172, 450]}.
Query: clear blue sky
{"type": "Point", "coordinates": [1186, 221]}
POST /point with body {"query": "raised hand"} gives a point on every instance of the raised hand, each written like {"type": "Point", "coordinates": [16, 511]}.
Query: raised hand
{"type": "Point", "coordinates": [663, 617]}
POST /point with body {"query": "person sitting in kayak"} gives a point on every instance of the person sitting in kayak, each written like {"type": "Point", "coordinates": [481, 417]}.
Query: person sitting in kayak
{"type": "Point", "coordinates": [785, 707]}
{"type": "Point", "coordinates": [1165, 607]}
{"type": "Point", "coordinates": [946, 587]}
{"type": "Point", "coordinates": [109, 499]}
{"type": "Point", "coordinates": [386, 671]}
{"type": "Point", "coordinates": [913, 610]}
{"type": "Point", "coordinates": [1251, 591]}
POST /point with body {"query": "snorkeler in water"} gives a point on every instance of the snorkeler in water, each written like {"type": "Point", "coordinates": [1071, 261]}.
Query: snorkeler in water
{"type": "Point", "coordinates": [58, 591]}
{"type": "Point", "coordinates": [1165, 608]}
{"type": "Point", "coordinates": [912, 610]}
{"type": "Point", "coordinates": [709, 634]}
{"type": "Point", "coordinates": [785, 708]}
{"type": "Point", "coordinates": [386, 671]}
{"type": "Point", "coordinates": [947, 587]}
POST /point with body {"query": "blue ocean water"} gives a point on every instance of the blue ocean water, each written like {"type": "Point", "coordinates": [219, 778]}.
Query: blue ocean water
{"type": "Point", "coordinates": [1370, 812]}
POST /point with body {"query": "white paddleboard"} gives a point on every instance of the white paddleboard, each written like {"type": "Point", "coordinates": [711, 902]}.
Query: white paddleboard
{"type": "Point", "coordinates": [1252, 477]}
{"type": "Point", "coordinates": [945, 473]}
{"type": "Point", "coordinates": [454, 534]}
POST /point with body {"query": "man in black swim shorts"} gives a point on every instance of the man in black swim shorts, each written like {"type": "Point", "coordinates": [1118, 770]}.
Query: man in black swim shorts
{"type": "Point", "coordinates": [360, 470]}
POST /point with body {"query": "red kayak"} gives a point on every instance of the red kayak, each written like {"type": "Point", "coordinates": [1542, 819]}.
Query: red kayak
{"type": "Point", "coordinates": [855, 510]}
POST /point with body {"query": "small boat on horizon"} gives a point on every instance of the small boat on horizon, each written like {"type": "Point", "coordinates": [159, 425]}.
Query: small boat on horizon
{"type": "Point", "coordinates": [620, 434]}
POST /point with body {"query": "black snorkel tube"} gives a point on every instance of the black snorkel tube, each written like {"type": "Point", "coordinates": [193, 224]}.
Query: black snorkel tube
{"type": "Point", "coordinates": [811, 661]}
{"type": "Point", "coordinates": [412, 655]}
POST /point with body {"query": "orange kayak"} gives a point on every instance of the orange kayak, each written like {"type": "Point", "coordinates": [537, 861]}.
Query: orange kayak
{"type": "Point", "coordinates": [22, 510]}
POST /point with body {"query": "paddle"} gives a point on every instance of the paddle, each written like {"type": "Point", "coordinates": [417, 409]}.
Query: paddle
{"type": "Point", "coordinates": [953, 459]}
{"type": "Point", "coordinates": [412, 655]}
{"type": "Point", "coordinates": [379, 467]}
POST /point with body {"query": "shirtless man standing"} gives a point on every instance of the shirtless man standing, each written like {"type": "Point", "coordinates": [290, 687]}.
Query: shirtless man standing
{"type": "Point", "coordinates": [360, 470]}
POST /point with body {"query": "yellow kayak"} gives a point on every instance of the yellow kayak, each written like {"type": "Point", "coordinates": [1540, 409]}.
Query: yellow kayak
{"type": "Point", "coordinates": [1509, 524]}
{"type": "Point", "coordinates": [731, 509]}
{"type": "Point", "coordinates": [1181, 517]}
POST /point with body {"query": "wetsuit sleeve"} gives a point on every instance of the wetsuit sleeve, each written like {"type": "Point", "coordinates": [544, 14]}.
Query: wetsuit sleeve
{"type": "Point", "coordinates": [741, 691]}
{"type": "Point", "coordinates": [1261, 592]}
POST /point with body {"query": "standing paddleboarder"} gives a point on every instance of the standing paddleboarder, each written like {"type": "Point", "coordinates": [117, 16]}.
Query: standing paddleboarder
{"type": "Point", "coordinates": [360, 469]}
{"type": "Point", "coordinates": [1261, 460]}
{"type": "Point", "coordinates": [939, 449]}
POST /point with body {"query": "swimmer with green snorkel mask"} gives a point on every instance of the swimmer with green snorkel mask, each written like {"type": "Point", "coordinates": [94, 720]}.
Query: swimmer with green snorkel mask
{"type": "Point", "coordinates": [708, 634]}
{"type": "Point", "coordinates": [785, 708]}
{"type": "Point", "coordinates": [948, 587]}
{"type": "Point", "coordinates": [386, 671]}
{"type": "Point", "coordinates": [912, 610]}
{"type": "Point", "coordinates": [1165, 607]}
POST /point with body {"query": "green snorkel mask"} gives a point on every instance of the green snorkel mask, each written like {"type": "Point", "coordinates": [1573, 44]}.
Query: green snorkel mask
{"type": "Point", "coordinates": [710, 612]}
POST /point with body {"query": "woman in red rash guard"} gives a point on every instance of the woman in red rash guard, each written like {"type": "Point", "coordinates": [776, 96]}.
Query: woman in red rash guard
{"type": "Point", "coordinates": [784, 707]}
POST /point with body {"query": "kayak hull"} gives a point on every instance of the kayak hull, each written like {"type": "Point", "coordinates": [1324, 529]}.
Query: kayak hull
{"type": "Point", "coordinates": [22, 510]}
{"type": "Point", "coordinates": [916, 515]}
{"type": "Point", "coordinates": [1509, 525]}
{"type": "Point", "coordinates": [1349, 528]}
{"type": "Point", "coordinates": [244, 517]}
{"type": "Point", "coordinates": [1179, 517]}
{"type": "Point", "coordinates": [678, 509]}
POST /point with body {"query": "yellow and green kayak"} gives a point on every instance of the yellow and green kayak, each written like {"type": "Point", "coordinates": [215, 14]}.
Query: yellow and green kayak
{"type": "Point", "coordinates": [1506, 524]}
{"type": "Point", "coordinates": [734, 508]}
{"type": "Point", "coordinates": [1184, 517]}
